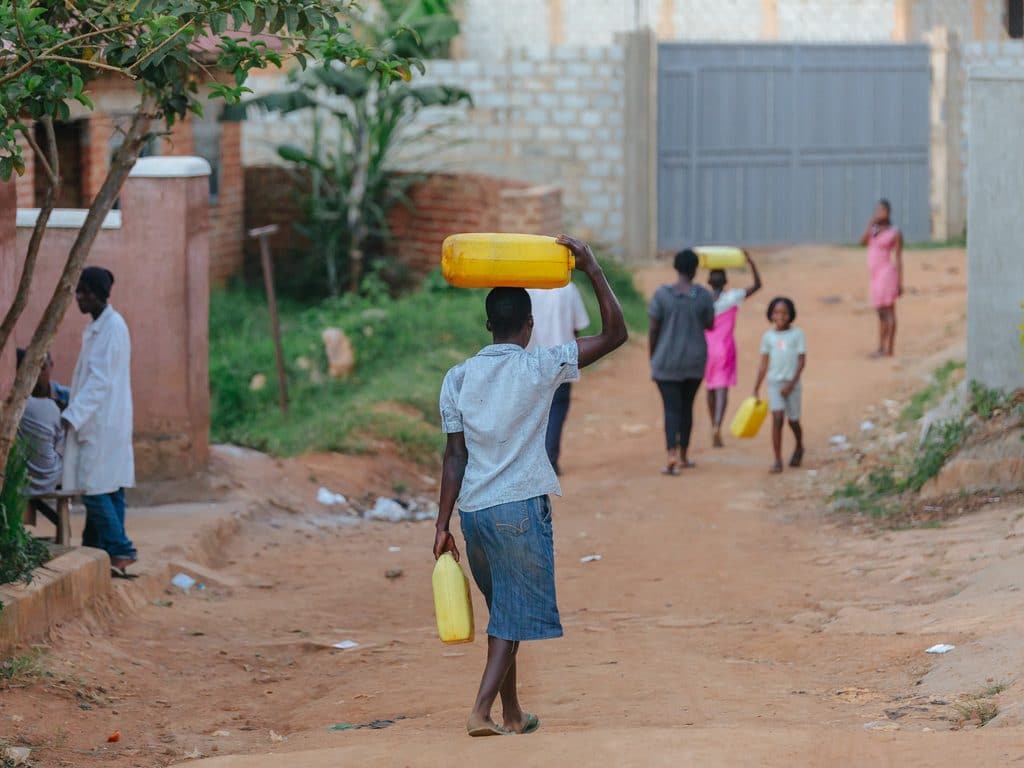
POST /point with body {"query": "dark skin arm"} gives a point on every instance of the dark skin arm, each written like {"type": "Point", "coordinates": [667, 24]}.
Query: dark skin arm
{"type": "Point", "coordinates": [613, 325]}
{"type": "Point", "coordinates": [801, 361]}
{"type": "Point", "coordinates": [899, 259]}
{"type": "Point", "coordinates": [455, 457]}
{"type": "Point", "coordinates": [757, 277]}
{"type": "Point", "coordinates": [652, 336]}
{"type": "Point", "coordinates": [761, 373]}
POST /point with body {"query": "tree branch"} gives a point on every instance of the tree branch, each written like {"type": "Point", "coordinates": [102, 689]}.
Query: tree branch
{"type": "Point", "coordinates": [160, 47]}
{"type": "Point", "coordinates": [16, 73]}
{"type": "Point", "coordinates": [85, 63]}
{"type": "Point", "coordinates": [41, 157]}
{"type": "Point", "coordinates": [28, 269]}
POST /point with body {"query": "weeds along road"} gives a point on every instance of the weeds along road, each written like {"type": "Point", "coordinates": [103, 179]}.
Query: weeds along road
{"type": "Point", "coordinates": [696, 639]}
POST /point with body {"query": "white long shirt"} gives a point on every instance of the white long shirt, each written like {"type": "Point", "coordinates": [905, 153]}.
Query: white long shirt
{"type": "Point", "coordinates": [98, 457]}
{"type": "Point", "coordinates": [558, 314]}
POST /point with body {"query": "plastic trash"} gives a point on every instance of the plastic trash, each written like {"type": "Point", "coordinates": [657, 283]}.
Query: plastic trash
{"type": "Point", "coordinates": [838, 439]}
{"type": "Point", "coordinates": [941, 648]}
{"type": "Point", "coordinates": [346, 645]}
{"type": "Point", "coordinates": [114, 737]}
{"type": "Point", "coordinates": [394, 549]}
{"type": "Point", "coordinates": [343, 727]}
{"type": "Point", "coordinates": [867, 425]}
{"type": "Point", "coordinates": [16, 755]}
{"type": "Point", "coordinates": [388, 510]}
{"type": "Point", "coordinates": [276, 737]}
{"type": "Point", "coordinates": [183, 581]}
{"type": "Point", "coordinates": [590, 559]}
{"type": "Point", "coordinates": [329, 498]}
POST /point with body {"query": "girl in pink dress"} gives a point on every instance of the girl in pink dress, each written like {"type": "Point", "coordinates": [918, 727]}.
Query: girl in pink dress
{"type": "Point", "coordinates": [720, 371]}
{"type": "Point", "coordinates": [885, 265]}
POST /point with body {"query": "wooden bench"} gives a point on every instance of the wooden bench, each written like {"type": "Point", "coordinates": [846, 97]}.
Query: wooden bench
{"type": "Point", "coordinates": [61, 518]}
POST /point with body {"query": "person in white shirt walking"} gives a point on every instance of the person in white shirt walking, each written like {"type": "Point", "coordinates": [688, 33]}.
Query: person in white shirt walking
{"type": "Point", "coordinates": [98, 458]}
{"type": "Point", "coordinates": [558, 318]}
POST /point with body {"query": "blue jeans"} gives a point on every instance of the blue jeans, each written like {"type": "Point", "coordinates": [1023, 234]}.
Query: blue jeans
{"type": "Point", "coordinates": [510, 549]}
{"type": "Point", "coordinates": [556, 420]}
{"type": "Point", "coordinates": [104, 525]}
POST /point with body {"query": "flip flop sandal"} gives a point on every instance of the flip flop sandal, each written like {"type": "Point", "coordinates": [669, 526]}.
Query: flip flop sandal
{"type": "Point", "coordinates": [122, 574]}
{"type": "Point", "coordinates": [490, 730]}
{"type": "Point", "coordinates": [670, 470]}
{"type": "Point", "coordinates": [532, 724]}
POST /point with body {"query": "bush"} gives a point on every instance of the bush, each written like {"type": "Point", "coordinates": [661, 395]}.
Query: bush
{"type": "Point", "coordinates": [403, 348]}
{"type": "Point", "coordinates": [20, 554]}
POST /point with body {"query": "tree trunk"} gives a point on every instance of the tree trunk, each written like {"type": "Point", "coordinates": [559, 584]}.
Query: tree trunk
{"type": "Point", "coordinates": [52, 170]}
{"type": "Point", "coordinates": [356, 202]}
{"type": "Point", "coordinates": [25, 379]}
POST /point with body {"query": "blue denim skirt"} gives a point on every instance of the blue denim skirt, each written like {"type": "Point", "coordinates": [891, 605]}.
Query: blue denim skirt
{"type": "Point", "coordinates": [512, 557]}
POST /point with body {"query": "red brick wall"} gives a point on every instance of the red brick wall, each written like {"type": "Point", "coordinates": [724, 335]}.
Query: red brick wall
{"type": "Point", "coordinates": [448, 203]}
{"type": "Point", "coordinates": [443, 204]}
{"type": "Point", "coordinates": [227, 216]}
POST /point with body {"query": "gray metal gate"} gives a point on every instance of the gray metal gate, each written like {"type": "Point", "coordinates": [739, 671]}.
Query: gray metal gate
{"type": "Point", "coordinates": [762, 144]}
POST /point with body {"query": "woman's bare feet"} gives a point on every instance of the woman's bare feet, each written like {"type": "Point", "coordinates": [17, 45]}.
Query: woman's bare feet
{"type": "Point", "coordinates": [798, 457]}
{"type": "Point", "coordinates": [716, 439]}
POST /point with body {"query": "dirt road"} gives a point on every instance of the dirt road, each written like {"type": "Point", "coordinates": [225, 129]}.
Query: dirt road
{"type": "Point", "coordinates": [701, 637]}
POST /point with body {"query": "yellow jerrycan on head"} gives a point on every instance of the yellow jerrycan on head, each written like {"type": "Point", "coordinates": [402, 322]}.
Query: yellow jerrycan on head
{"type": "Point", "coordinates": [720, 257]}
{"type": "Point", "coordinates": [452, 605]}
{"type": "Point", "coordinates": [492, 260]}
{"type": "Point", "coordinates": [749, 417]}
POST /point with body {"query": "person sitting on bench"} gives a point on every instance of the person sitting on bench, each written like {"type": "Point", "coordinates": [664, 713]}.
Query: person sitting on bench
{"type": "Point", "coordinates": [42, 434]}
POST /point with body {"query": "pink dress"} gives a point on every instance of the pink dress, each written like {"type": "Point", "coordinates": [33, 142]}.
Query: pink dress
{"type": "Point", "coordinates": [720, 370]}
{"type": "Point", "coordinates": [885, 275]}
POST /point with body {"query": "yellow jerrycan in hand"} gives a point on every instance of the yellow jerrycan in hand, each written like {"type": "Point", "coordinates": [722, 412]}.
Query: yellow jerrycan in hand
{"type": "Point", "coordinates": [452, 605]}
{"type": "Point", "coordinates": [492, 260]}
{"type": "Point", "coordinates": [720, 257]}
{"type": "Point", "coordinates": [749, 417]}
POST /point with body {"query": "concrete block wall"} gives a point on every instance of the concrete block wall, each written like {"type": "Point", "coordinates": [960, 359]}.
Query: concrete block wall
{"type": "Point", "coordinates": [995, 229]}
{"type": "Point", "coordinates": [540, 116]}
{"type": "Point", "coordinates": [546, 117]}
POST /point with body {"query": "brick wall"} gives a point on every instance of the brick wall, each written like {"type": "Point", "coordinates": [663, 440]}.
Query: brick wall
{"type": "Point", "coordinates": [541, 117]}
{"type": "Point", "coordinates": [227, 215]}
{"type": "Point", "coordinates": [442, 205]}
{"type": "Point", "coordinates": [449, 203]}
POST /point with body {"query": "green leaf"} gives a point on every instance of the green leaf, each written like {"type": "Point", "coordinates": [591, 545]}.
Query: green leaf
{"type": "Point", "coordinates": [76, 85]}
{"type": "Point", "coordinates": [6, 168]}
{"type": "Point", "coordinates": [248, 8]}
{"type": "Point", "coordinates": [291, 16]}
{"type": "Point", "coordinates": [218, 23]}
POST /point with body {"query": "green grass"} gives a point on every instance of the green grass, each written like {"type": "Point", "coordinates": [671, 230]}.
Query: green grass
{"type": "Point", "coordinates": [19, 670]}
{"type": "Point", "coordinates": [403, 349]}
{"type": "Point", "coordinates": [932, 245]}
{"type": "Point", "coordinates": [942, 380]}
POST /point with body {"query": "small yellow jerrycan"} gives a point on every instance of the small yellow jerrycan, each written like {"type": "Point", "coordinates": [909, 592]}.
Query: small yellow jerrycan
{"type": "Point", "coordinates": [749, 417]}
{"type": "Point", "coordinates": [452, 604]}
{"type": "Point", "coordinates": [720, 257]}
{"type": "Point", "coordinates": [490, 260]}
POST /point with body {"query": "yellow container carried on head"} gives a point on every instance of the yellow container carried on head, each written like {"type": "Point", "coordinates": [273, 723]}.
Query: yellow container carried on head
{"type": "Point", "coordinates": [720, 257]}
{"type": "Point", "coordinates": [452, 604]}
{"type": "Point", "coordinates": [490, 260]}
{"type": "Point", "coordinates": [749, 417]}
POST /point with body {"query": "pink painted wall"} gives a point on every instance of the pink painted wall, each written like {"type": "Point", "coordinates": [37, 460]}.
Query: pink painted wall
{"type": "Point", "coordinates": [8, 276]}
{"type": "Point", "coordinates": [160, 259]}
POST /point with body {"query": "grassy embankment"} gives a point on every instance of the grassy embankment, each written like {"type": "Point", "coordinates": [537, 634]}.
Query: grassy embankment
{"type": "Point", "coordinates": [403, 348]}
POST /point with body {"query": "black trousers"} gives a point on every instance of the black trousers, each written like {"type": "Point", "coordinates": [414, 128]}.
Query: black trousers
{"type": "Point", "coordinates": [677, 397]}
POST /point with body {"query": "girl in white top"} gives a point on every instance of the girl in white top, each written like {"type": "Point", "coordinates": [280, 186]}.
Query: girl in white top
{"type": "Point", "coordinates": [783, 356]}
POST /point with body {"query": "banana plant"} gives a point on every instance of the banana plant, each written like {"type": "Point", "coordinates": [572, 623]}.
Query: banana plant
{"type": "Point", "coordinates": [359, 122]}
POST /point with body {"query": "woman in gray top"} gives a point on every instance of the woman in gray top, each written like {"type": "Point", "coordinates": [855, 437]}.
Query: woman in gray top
{"type": "Point", "coordinates": [679, 314]}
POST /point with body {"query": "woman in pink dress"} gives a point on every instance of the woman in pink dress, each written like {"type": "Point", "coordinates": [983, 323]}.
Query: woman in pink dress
{"type": "Point", "coordinates": [720, 371]}
{"type": "Point", "coordinates": [885, 265]}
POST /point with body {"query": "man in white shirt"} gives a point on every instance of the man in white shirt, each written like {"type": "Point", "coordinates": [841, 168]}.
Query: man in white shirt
{"type": "Point", "coordinates": [98, 458]}
{"type": "Point", "coordinates": [558, 318]}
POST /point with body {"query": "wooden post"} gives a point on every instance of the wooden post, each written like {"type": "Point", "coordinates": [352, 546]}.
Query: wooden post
{"type": "Point", "coordinates": [263, 234]}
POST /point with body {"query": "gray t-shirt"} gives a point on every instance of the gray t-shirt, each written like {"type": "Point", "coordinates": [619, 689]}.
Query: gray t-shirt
{"type": "Point", "coordinates": [682, 350]}
{"type": "Point", "coordinates": [500, 400]}
{"type": "Point", "coordinates": [43, 435]}
{"type": "Point", "coordinates": [783, 349]}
